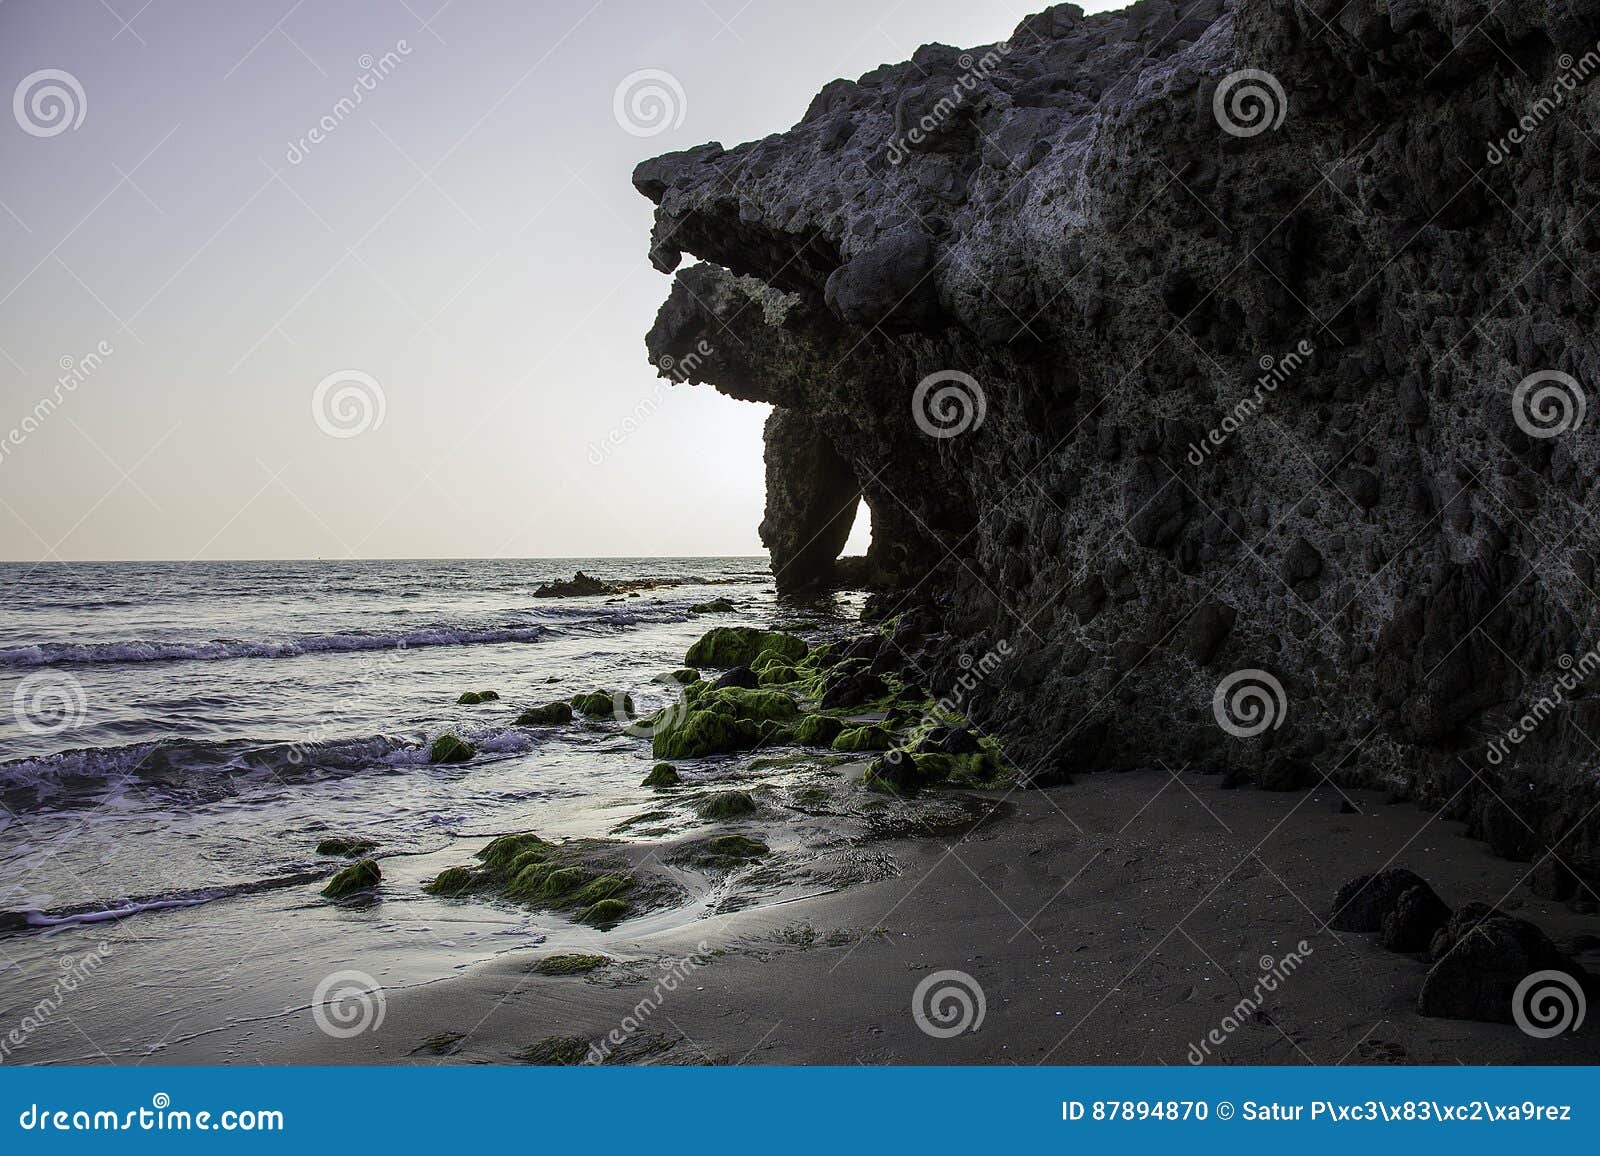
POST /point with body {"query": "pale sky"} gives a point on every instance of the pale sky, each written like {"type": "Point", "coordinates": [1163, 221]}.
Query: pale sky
{"type": "Point", "coordinates": [466, 237]}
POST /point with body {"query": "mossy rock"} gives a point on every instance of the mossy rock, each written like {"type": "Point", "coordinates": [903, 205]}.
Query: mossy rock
{"type": "Point", "coordinates": [725, 805]}
{"type": "Point", "coordinates": [600, 703]}
{"type": "Point", "coordinates": [684, 675]}
{"type": "Point", "coordinates": [450, 749]}
{"type": "Point", "coordinates": [362, 876]}
{"type": "Point", "coordinates": [903, 772]}
{"type": "Point", "coordinates": [346, 846]}
{"type": "Point", "coordinates": [570, 964]}
{"type": "Point", "coordinates": [583, 877]}
{"type": "Point", "coordinates": [555, 1051]}
{"type": "Point", "coordinates": [451, 882]}
{"type": "Point", "coordinates": [604, 912]}
{"type": "Point", "coordinates": [728, 646]}
{"type": "Point", "coordinates": [818, 730]}
{"type": "Point", "coordinates": [749, 703]}
{"type": "Point", "coordinates": [548, 715]}
{"type": "Point", "coordinates": [715, 606]}
{"type": "Point", "coordinates": [721, 852]}
{"type": "Point", "coordinates": [704, 732]}
{"type": "Point", "coordinates": [866, 738]}
{"type": "Point", "coordinates": [474, 697]}
{"type": "Point", "coordinates": [790, 627]}
{"type": "Point", "coordinates": [778, 674]}
{"type": "Point", "coordinates": [662, 775]}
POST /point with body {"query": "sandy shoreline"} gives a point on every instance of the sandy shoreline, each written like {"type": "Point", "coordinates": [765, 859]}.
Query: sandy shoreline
{"type": "Point", "coordinates": [1116, 921]}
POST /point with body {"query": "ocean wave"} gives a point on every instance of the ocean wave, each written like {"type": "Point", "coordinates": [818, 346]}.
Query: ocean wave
{"type": "Point", "coordinates": [537, 623]}
{"type": "Point", "coordinates": [139, 650]}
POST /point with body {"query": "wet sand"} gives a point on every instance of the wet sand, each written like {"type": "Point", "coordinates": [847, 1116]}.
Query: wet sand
{"type": "Point", "coordinates": [1116, 921]}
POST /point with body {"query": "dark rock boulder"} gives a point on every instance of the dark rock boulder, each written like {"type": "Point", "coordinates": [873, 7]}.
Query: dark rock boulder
{"type": "Point", "coordinates": [740, 676]}
{"type": "Point", "coordinates": [579, 585]}
{"type": "Point", "coordinates": [1362, 903]}
{"type": "Point", "coordinates": [1480, 958]}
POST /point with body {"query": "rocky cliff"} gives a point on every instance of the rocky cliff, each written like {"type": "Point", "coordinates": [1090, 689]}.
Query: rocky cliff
{"type": "Point", "coordinates": [1228, 361]}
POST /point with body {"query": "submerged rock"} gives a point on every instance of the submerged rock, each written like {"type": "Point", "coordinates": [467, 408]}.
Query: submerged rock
{"type": "Point", "coordinates": [474, 697]}
{"type": "Point", "coordinates": [450, 749]}
{"type": "Point", "coordinates": [550, 714]}
{"type": "Point", "coordinates": [362, 876]}
{"type": "Point", "coordinates": [725, 805]}
{"type": "Point", "coordinates": [580, 585]}
{"type": "Point", "coordinates": [346, 846]}
{"type": "Point", "coordinates": [600, 703]}
{"type": "Point", "coordinates": [863, 738]}
{"type": "Point", "coordinates": [715, 606]}
{"type": "Point", "coordinates": [662, 775]}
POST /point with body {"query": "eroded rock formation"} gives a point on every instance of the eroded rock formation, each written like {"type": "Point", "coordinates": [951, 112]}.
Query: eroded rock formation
{"type": "Point", "coordinates": [1249, 350]}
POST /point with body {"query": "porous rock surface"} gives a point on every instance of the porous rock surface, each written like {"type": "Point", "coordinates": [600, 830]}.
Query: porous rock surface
{"type": "Point", "coordinates": [1063, 217]}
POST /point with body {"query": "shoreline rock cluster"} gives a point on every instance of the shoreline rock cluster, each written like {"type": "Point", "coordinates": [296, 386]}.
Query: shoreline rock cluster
{"type": "Point", "coordinates": [1085, 271]}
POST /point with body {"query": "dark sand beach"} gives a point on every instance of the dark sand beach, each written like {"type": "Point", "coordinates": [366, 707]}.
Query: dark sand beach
{"type": "Point", "coordinates": [1116, 921]}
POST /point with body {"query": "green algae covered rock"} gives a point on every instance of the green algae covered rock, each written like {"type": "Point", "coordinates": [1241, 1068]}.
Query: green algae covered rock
{"type": "Point", "coordinates": [721, 852]}
{"type": "Point", "coordinates": [705, 732]}
{"type": "Point", "coordinates": [600, 703]}
{"type": "Point", "coordinates": [662, 775]}
{"type": "Point", "coordinates": [903, 772]}
{"type": "Point", "coordinates": [603, 913]}
{"type": "Point", "coordinates": [474, 697]}
{"type": "Point", "coordinates": [720, 720]}
{"type": "Point", "coordinates": [584, 877]}
{"type": "Point", "coordinates": [448, 748]}
{"type": "Point", "coordinates": [548, 715]}
{"type": "Point", "coordinates": [818, 730]}
{"type": "Point", "coordinates": [867, 738]}
{"type": "Point", "coordinates": [727, 646]}
{"type": "Point", "coordinates": [683, 676]}
{"type": "Point", "coordinates": [725, 805]}
{"type": "Point", "coordinates": [362, 876]}
{"type": "Point", "coordinates": [345, 846]}
{"type": "Point", "coordinates": [570, 964]}
{"type": "Point", "coordinates": [715, 606]}
{"type": "Point", "coordinates": [778, 674]}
